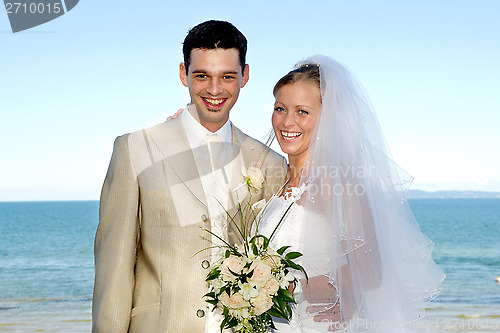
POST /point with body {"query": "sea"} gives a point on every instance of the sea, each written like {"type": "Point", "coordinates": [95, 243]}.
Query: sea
{"type": "Point", "coordinates": [47, 267]}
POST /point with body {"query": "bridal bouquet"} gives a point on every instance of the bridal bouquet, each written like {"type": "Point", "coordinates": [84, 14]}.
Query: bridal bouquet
{"type": "Point", "coordinates": [250, 283]}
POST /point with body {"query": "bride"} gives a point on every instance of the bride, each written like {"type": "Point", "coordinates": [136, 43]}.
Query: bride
{"type": "Point", "coordinates": [343, 206]}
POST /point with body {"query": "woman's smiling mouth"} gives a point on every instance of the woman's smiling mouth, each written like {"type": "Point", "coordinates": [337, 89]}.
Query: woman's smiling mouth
{"type": "Point", "coordinates": [289, 136]}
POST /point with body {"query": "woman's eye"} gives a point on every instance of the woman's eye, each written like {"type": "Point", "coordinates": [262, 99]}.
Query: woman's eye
{"type": "Point", "coordinates": [279, 109]}
{"type": "Point", "coordinates": [304, 112]}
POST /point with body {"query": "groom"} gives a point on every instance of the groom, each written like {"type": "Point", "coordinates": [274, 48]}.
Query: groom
{"type": "Point", "coordinates": [164, 184]}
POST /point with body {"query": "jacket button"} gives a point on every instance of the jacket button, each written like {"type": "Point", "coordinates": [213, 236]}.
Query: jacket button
{"type": "Point", "coordinates": [204, 218]}
{"type": "Point", "coordinates": [200, 313]}
{"type": "Point", "coordinates": [205, 264]}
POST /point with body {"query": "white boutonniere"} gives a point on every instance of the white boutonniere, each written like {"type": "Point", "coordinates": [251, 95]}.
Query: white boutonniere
{"type": "Point", "coordinates": [253, 177]}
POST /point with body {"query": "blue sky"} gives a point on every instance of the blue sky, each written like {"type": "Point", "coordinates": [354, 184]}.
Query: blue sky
{"type": "Point", "coordinates": [70, 86]}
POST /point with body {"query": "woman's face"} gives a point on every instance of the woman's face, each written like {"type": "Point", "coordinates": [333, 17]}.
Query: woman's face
{"type": "Point", "coordinates": [296, 109]}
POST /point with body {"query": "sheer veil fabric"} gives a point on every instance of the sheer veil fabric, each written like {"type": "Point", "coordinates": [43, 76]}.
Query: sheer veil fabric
{"type": "Point", "coordinates": [369, 265]}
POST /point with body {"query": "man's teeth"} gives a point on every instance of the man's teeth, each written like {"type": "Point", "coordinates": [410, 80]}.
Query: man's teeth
{"type": "Point", "coordinates": [214, 101]}
{"type": "Point", "coordinates": [290, 135]}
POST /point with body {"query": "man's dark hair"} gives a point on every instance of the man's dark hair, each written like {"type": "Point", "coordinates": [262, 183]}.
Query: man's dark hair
{"type": "Point", "coordinates": [213, 34]}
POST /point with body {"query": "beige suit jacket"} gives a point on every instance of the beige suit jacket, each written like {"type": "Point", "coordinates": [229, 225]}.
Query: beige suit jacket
{"type": "Point", "coordinates": [151, 210]}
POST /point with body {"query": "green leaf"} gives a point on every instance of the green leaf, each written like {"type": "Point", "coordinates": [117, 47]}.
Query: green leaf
{"type": "Point", "coordinates": [280, 301]}
{"type": "Point", "coordinates": [293, 255]}
{"type": "Point", "coordinates": [303, 271]}
{"type": "Point", "coordinates": [212, 301]}
{"type": "Point", "coordinates": [233, 322]}
{"type": "Point", "coordinates": [266, 242]}
{"type": "Point", "coordinates": [291, 264]}
{"type": "Point", "coordinates": [222, 289]}
{"type": "Point", "coordinates": [235, 274]}
{"type": "Point", "coordinates": [283, 249]}
{"type": "Point", "coordinates": [223, 324]}
{"type": "Point", "coordinates": [214, 274]}
{"type": "Point", "coordinates": [289, 311]}
{"type": "Point", "coordinates": [286, 295]}
{"type": "Point", "coordinates": [276, 313]}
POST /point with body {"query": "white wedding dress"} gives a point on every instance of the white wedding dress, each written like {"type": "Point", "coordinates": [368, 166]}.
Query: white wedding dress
{"type": "Point", "coordinates": [289, 233]}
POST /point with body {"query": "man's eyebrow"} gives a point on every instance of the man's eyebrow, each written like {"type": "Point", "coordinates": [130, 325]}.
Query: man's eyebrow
{"type": "Point", "coordinates": [202, 71]}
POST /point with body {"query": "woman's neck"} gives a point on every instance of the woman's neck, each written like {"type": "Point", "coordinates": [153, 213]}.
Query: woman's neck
{"type": "Point", "coordinates": [294, 169]}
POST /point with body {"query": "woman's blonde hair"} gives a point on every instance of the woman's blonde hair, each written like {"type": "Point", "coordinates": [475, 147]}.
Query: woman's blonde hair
{"type": "Point", "coordinates": [306, 72]}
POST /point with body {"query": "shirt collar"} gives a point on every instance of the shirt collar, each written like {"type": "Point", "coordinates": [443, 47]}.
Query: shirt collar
{"type": "Point", "coordinates": [196, 132]}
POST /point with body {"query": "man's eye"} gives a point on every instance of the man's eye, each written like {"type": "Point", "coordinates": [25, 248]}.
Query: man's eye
{"type": "Point", "coordinates": [229, 77]}
{"type": "Point", "coordinates": [200, 76]}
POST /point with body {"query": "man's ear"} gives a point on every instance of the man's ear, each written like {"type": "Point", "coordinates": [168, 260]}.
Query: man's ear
{"type": "Point", "coordinates": [182, 74]}
{"type": "Point", "coordinates": [245, 75]}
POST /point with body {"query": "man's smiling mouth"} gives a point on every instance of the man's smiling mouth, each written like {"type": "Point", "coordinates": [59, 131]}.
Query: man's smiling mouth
{"type": "Point", "coordinates": [214, 104]}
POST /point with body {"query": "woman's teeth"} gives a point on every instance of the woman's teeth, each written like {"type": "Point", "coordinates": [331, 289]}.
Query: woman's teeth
{"type": "Point", "coordinates": [290, 135]}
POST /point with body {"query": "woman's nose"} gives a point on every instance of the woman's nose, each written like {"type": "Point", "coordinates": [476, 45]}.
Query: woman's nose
{"type": "Point", "coordinates": [289, 120]}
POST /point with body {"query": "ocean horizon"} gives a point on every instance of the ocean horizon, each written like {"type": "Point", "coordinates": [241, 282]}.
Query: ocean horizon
{"type": "Point", "coordinates": [47, 264]}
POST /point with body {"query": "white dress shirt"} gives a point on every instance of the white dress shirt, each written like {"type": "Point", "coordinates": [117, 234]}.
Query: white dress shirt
{"type": "Point", "coordinates": [215, 174]}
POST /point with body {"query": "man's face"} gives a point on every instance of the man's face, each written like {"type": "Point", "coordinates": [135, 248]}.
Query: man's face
{"type": "Point", "coordinates": [214, 79]}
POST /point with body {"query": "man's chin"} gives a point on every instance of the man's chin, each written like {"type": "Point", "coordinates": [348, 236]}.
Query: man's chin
{"type": "Point", "coordinates": [214, 110]}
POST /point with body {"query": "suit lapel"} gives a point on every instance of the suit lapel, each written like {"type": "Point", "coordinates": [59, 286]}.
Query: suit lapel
{"type": "Point", "coordinates": [171, 140]}
{"type": "Point", "coordinates": [248, 156]}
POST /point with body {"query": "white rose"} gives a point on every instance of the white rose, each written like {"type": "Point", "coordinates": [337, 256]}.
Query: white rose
{"type": "Point", "coordinates": [262, 302]}
{"type": "Point", "coordinates": [261, 272]}
{"type": "Point", "coordinates": [273, 260]}
{"type": "Point", "coordinates": [235, 301]}
{"type": "Point", "coordinates": [234, 264]}
{"type": "Point", "coordinates": [272, 286]}
{"type": "Point", "coordinates": [254, 176]}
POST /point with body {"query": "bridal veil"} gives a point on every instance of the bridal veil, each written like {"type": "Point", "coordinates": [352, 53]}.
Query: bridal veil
{"type": "Point", "coordinates": [367, 247]}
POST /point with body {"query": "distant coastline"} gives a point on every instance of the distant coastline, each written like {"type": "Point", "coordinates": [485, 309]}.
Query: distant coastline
{"type": "Point", "coordinates": [412, 194]}
{"type": "Point", "coordinates": [419, 194]}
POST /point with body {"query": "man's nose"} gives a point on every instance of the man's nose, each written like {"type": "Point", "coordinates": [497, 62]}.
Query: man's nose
{"type": "Point", "coordinates": [215, 87]}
